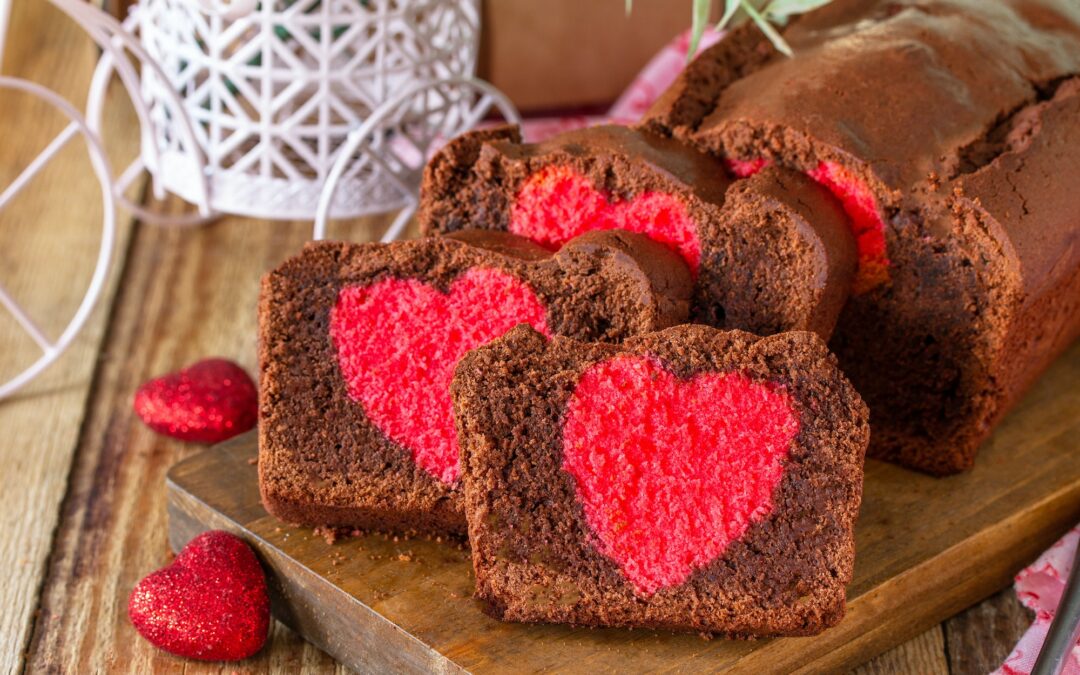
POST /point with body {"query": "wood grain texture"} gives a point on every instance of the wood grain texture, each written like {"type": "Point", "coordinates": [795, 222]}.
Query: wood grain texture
{"type": "Point", "coordinates": [926, 549]}
{"type": "Point", "coordinates": [184, 295]}
{"type": "Point", "coordinates": [978, 639]}
{"type": "Point", "coordinates": [49, 237]}
{"type": "Point", "coordinates": [924, 655]}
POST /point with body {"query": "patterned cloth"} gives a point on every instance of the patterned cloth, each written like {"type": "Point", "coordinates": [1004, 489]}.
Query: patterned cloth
{"type": "Point", "coordinates": [1039, 588]}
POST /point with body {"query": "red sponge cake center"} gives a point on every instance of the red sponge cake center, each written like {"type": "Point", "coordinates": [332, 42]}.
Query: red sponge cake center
{"type": "Point", "coordinates": [670, 471]}
{"type": "Point", "coordinates": [557, 204]}
{"type": "Point", "coordinates": [398, 341]}
{"type": "Point", "coordinates": [861, 207]}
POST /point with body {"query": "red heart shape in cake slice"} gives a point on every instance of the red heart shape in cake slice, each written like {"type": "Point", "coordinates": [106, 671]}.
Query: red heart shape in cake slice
{"type": "Point", "coordinates": [211, 603]}
{"type": "Point", "coordinates": [557, 204]}
{"type": "Point", "coordinates": [669, 471]}
{"type": "Point", "coordinates": [398, 341]}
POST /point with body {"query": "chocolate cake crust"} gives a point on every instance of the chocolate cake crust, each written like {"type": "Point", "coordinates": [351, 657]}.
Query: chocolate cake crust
{"type": "Point", "coordinates": [533, 550]}
{"type": "Point", "coordinates": [321, 461]}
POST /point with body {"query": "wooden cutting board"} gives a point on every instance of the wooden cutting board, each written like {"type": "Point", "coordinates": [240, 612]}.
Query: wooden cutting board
{"type": "Point", "coordinates": [926, 549]}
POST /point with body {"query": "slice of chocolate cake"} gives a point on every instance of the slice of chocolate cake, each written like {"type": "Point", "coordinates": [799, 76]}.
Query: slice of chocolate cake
{"type": "Point", "coordinates": [358, 344]}
{"type": "Point", "coordinates": [691, 479]}
{"type": "Point", "coordinates": [768, 255]}
{"type": "Point", "coordinates": [949, 130]}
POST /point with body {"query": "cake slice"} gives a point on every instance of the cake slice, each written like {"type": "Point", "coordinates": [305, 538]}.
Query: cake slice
{"type": "Point", "coordinates": [358, 344]}
{"type": "Point", "coordinates": [949, 129]}
{"type": "Point", "coordinates": [691, 479]}
{"type": "Point", "coordinates": [767, 255]}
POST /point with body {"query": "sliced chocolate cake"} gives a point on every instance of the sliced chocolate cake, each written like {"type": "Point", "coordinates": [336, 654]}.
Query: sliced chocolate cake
{"type": "Point", "coordinates": [690, 479]}
{"type": "Point", "coordinates": [358, 344]}
{"type": "Point", "coordinates": [768, 255]}
{"type": "Point", "coordinates": [949, 129]}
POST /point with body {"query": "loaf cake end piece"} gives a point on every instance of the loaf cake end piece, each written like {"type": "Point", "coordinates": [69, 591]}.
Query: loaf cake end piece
{"type": "Point", "coordinates": [947, 130]}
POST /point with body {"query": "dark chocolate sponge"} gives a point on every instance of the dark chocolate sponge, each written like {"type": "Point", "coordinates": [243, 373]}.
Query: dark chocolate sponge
{"type": "Point", "coordinates": [322, 458]}
{"type": "Point", "coordinates": [743, 455]}
{"type": "Point", "coordinates": [959, 120]}
{"type": "Point", "coordinates": [770, 254]}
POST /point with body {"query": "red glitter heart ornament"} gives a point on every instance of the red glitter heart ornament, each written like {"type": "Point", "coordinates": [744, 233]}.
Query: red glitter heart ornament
{"type": "Point", "coordinates": [670, 471]}
{"type": "Point", "coordinates": [210, 604]}
{"type": "Point", "coordinates": [398, 341]}
{"type": "Point", "coordinates": [207, 402]}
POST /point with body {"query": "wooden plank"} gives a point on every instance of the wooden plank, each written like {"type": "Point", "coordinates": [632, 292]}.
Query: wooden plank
{"type": "Point", "coordinates": [924, 655]}
{"type": "Point", "coordinates": [185, 295]}
{"type": "Point", "coordinates": [49, 237]}
{"type": "Point", "coordinates": [980, 638]}
{"type": "Point", "coordinates": [927, 548]}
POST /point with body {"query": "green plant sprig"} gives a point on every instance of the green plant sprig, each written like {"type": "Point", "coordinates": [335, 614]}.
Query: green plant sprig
{"type": "Point", "coordinates": [766, 14]}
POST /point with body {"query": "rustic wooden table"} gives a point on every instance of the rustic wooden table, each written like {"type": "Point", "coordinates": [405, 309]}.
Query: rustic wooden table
{"type": "Point", "coordinates": [83, 504]}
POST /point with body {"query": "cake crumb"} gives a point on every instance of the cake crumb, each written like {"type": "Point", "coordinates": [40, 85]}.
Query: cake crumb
{"type": "Point", "coordinates": [332, 535]}
{"type": "Point", "coordinates": [934, 181]}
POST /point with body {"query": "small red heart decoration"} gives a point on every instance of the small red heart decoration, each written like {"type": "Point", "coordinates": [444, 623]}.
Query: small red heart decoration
{"type": "Point", "coordinates": [669, 471]}
{"type": "Point", "coordinates": [557, 204]}
{"type": "Point", "coordinates": [398, 341]}
{"type": "Point", "coordinates": [207, 402]}
{"type": "Point", "coordinates": [210, 604]}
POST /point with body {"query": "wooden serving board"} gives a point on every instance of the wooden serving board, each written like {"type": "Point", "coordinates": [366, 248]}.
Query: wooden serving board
{"type": "Point", "coordinates": [926, 549]}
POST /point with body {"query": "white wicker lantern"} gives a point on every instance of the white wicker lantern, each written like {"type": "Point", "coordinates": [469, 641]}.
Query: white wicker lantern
{"type": "Point", "coordinates": [274, 89]}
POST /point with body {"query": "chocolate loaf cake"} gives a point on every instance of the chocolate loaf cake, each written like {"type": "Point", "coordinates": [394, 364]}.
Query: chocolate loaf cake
{"type": "Point", "coordinates": [358, 345]}
{"type": "Point", "coordinates": [690, 479]}
{"type": "Point", "coordinates": [949, 129]}
{"type": "Point", "coordinates": [770, 254]}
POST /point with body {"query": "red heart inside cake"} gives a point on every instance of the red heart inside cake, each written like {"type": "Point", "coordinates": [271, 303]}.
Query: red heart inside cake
{"type": "Point", "coordinates": [398, 341]}
{"type": "Point", "coordinates": [860, 205]}
{"type": "Point", "coordinates": [669, 471]}
{"type": "Point", "coordinates": [557, 204]}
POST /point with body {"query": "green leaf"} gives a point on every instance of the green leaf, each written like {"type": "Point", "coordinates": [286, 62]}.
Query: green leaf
{"type": "Point", "coordinates": [767, 28]}
{"type": "Point", "coordinates": [697, 25]}
{"type": "Point", "coordinates": [730, 7]}
{"type": "Point", "coordinates": [782, 10]}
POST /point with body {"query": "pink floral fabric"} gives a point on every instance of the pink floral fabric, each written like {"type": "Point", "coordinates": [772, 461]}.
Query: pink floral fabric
{"type": "Point", "coordinates": [1039, 588]}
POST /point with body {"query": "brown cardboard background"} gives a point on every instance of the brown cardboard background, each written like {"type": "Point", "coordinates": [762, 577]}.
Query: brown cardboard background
{"type": "Point", "coordinates": [552, 54]}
